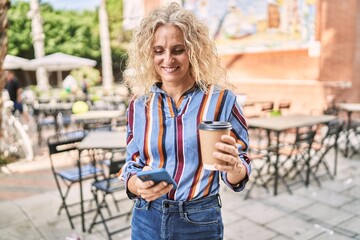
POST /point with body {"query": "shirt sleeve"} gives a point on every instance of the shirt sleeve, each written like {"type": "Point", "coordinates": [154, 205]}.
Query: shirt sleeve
{"type": "Point", "coordinates": [240, 133]}
{"type": "Point", "coordinates": [134, 163]}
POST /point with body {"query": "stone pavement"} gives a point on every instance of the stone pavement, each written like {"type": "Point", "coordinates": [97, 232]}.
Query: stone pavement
{"type": "Point", "coordinates": [29, 202]}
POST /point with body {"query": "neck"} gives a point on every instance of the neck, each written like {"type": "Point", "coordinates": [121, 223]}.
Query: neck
{"type": "Point", "coordinates": [176, 91]}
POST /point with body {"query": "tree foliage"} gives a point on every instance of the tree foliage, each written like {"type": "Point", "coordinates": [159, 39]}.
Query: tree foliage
{"type": "Point", "coordinates": [70, 32]}
{"type": "Point", "coordinates": [19, 31]}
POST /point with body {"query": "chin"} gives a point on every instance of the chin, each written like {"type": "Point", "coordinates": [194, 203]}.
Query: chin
{"type": "Point", "coordinates": [170, 79]}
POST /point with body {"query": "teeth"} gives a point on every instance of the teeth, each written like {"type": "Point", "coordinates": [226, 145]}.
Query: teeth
{"type": "Point", "coordinates": [170, 69]}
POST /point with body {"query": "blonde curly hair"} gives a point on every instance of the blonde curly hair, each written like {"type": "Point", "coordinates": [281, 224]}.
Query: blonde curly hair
{"type": "Point", "coordinates": [204, 61]}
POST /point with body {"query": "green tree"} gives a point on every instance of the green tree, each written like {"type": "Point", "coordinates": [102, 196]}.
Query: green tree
{"type": "Point", "coordinates": [70, 32]}
{"type": "Point", "coordinates": [19, 32]}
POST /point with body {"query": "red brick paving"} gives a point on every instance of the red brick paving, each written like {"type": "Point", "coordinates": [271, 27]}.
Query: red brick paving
{"type": "Point", "coordinates": [20, 185]}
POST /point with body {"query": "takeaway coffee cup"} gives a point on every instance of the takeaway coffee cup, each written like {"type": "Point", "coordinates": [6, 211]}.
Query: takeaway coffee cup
{"type": "Point", "coordinates": [210, 133]}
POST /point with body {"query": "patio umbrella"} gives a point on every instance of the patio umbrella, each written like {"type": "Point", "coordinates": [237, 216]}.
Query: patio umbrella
{"type": "Point", "coordinates": [14, 62]}
{"type": "Point", "coordinates": [58, 62]}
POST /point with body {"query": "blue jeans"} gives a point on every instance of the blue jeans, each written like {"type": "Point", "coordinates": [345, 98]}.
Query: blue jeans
{"type": "Point", "coordinates": [18, 106]}
{"type": "Point", "coordinates": [166, 219]}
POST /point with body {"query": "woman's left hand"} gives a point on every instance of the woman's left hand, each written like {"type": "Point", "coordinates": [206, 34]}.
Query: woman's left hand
{"type": "Point", "coordinates": [228, 153]}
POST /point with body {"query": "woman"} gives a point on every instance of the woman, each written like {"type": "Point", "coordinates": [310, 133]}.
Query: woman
{"type": "Point", "coordinates": [178, 81]}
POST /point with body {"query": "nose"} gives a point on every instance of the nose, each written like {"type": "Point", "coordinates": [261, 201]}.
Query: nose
{"type": "Point", "coordinates": [168, 58]}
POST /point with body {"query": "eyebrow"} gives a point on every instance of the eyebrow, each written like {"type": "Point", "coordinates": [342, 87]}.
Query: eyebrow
{"type": "Point", "coordinates": [175, 46]}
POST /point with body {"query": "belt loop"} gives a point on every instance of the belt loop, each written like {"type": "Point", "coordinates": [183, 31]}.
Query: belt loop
{"type": "Point", "coordinates": [219, 200]}
{"type": "Point", "coordinates": [147, 205]}
{"type": "Point", "coordinates": [181, 208]}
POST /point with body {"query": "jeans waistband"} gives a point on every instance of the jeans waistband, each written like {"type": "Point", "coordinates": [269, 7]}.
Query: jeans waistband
{"type": "Point", "coordinates": [170, 206]}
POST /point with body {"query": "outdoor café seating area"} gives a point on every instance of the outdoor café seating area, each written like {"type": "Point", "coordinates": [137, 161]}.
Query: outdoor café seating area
{"type": "Point", "coordinates": [292, 150]}
{"type": "Point", "coordinates": [290, 153]}
{"type": "Point", "coordinates": [81, 134]}
{"type": "Point", "coordinates": [86, 148]}
{"type": "Point", "coordinates": [67, 111]}
{"type": "Point", "coordinates": [97, 156]}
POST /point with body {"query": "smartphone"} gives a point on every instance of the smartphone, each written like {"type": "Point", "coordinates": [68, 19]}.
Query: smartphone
{"type": "Point", "coordinates": [157, 175]}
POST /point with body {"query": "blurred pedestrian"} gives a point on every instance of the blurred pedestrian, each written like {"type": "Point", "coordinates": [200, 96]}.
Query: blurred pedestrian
{"type": "Point", "coordinates": [15, 93]}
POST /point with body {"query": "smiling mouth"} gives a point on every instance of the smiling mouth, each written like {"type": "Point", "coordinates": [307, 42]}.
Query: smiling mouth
{"type": "Point", "coordinates": [170, 69]}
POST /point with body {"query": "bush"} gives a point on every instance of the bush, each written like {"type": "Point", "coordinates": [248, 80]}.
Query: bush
{"type": "Point", "coordinates": [4, 160]}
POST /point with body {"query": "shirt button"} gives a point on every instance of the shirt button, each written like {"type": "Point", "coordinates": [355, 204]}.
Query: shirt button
{"type": "Point", "coordinates": [166, 205]}
{"type": "Point", "coordinates": [178, 109]}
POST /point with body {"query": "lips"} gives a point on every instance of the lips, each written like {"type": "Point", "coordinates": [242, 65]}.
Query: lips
{"type": "Point", "coordinates": [170, 69]}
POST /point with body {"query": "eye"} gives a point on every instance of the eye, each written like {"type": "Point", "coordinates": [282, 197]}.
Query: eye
{"type": "Point", "coordinates": [179, 51]}
{"type": "Point", "coordinates": [158, 51]}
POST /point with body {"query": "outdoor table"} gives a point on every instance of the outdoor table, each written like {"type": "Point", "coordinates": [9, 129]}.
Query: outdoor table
{"type": "Point", "coordinates": [284, 123]}
{"type": "Point", "coordinates": [97, 115]}
{"type": "Point", "coordinates": [105, 140]}
{"type": "Point", "coordinates": [50, 109]}
{"type": "Point", "coordinates": [349, 108]}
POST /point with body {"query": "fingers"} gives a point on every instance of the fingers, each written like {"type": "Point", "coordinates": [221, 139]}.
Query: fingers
{"type": "Point", "coordinates": [228, 145]}
{"type": "Point", "coordinates": [228, 153]}
{"type": "Point", "coordinates": [225, 168]}
{"type": "Point", "coordinates": [228, 139]}
{"type": "Point", "coordinates": [149, 190]}
{"type": "Point", "coordinates": [227, 158]}
{"type": "Point", "coordinates": [143, 184]}
{"type": "Point", "coordinates": [146, 168]}
{"type": "Point", "coordinates": [232, 166]}
{"type": "Point", "coordinates": [154, 191]}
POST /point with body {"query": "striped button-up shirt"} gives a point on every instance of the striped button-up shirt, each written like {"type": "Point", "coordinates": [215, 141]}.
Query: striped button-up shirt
{"type": "Point", "coordinates": [164, 134]}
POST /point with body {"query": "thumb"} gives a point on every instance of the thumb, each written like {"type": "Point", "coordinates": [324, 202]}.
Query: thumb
{"type": "Point", "coordinates": [147, 168]}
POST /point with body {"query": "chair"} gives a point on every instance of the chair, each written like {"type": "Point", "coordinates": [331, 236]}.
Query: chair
{"type": "Point", "coordinates": [260, 162]}
{"type": "Point", "coordinates": [284, 106]}
{"type": "Point", "coordinates": [97, 125]}
{"type": "Point", "coordinates": [258, 109]}
{"type": "Point", "coordinates": [250, 110]}
{"type": "Point", "coordinates": [296, 156]}
{"type": "Point", "coordinates": [354, 135]}
{"type": "Point", "coordinates": [320, 149]}
{"type": "Point", "coordinates": [66, 143]}
{"type": "Point", "coordinates": [110, 185]}
{"type": "Point", "coordinates": [60, 119]}
{"type": "Point", "coordinates": [266, 108]}
{"type": "Point", "coordinates": [261, 153]}
{"type": "Point", "coordinates": [42, 120]}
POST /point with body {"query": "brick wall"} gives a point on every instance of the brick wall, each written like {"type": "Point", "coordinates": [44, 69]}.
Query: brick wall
{"type": "Point", "coordinates": [340, 39]}
{"type": "Point", "coordinates": [338, 30]}
{"type": "Point", "coordinates": [273, 65]}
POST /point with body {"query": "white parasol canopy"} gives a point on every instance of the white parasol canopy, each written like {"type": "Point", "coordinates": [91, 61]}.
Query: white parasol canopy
{"type": "Point", "coordinates": [58, 62]}
{"type": "Point", "coordinates": [14, 62]}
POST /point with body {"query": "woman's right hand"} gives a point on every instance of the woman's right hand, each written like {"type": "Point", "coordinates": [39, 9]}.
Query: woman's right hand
{"type": "Point", "coordinates": [150, 191]}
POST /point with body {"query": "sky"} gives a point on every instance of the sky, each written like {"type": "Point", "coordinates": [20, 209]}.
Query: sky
{"type": "Point", "coordinates": [74, 4]}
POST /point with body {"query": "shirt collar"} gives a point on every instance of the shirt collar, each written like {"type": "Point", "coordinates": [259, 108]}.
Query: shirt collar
{"type": "Point", "coordinates": [156, 88]}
